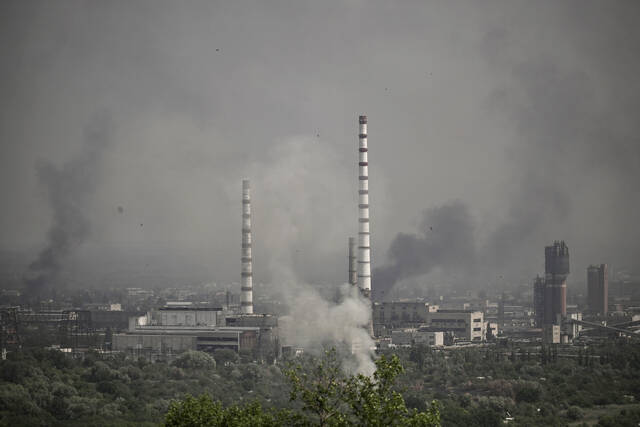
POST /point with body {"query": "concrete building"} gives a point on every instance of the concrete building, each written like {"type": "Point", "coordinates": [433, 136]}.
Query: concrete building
{"type": "Point", "coordinates": [598, 289]}
{"type": "Point", "coordinates": [168, 331]}
{"type": "Point", "coordinates": [492, 329]}
{"type": "Point", "coordinates": [466, 325]}
{"type": "Point", "coordinates": [154, 342]}
{"type": "Point", "coordinates": [402, 337]}
{"type": "Point", "coordinates": [186, 316]}
{"type": "Point", "coordinates": [397, 314]}
{"type": "Point", "coordinates": [556, 262]}
{"type": "Point", "coordinates": [413, 336]}
{"type": "Point", "coordinates": [429, 338]}
{"type": "Point", "coordinates": [551, 334]}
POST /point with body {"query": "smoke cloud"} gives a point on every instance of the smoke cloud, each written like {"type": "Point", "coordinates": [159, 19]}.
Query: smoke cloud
{"type": "Point", "coordinates": [314, 323]}
{"type": "Point", "coordinates": [445, 239]}
{"type": "Point", "coordinates": [567, 151]}
{"type": "Point", "coordinates": [68, 189]}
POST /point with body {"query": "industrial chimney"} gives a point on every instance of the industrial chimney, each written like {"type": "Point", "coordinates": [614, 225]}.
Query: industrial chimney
{"type": "Point", "coordinates": [364, 242]}
{"type": "Point", "coordinates": [353, 272]}
{"type": "Point", "coordinates": [246, 298]}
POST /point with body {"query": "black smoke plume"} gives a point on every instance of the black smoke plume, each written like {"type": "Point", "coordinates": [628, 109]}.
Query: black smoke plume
{"type": "Point", "coordinates": [445, 239]}
{"type": "Point", "coordinates": [68, 189]}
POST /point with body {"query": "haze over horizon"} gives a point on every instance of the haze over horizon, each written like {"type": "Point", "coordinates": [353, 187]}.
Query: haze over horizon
{"type": "Point", "coordinates": [495, 128]}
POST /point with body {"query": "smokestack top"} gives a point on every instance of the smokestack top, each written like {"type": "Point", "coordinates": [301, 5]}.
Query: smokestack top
{"type": "Point", "coordinates": [246, 184]}
{"type": "Point", "coordinates": [363, 120]}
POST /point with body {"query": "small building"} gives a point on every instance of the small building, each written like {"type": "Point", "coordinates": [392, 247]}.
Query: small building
{"type": "Point", "coordinates": [429, 338]}
{"type": "Point", "coordinates": [466, 325]}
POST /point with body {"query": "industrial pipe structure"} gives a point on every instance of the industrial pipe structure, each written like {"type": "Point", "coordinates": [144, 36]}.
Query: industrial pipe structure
{"type": "Point", "coordinates": [246, 297]}
{"type": "Point", "coordinates": [364, 241]}
{"type": "Point", "coordinates": [353, 272]}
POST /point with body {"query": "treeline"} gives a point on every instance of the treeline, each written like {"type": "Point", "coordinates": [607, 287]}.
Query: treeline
{"type": "Point", "coordinates": [42, 387]}
{"type": "Point", "coordinates": [474, 386]}
{"type": "Point", "coordinates": [553, 385]}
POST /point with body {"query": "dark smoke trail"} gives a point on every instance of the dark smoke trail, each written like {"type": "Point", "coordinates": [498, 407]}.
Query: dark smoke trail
{"type": "Point", "coordinates": [68, 189]}
{"type": "Point", "coordinates": [445, 239]}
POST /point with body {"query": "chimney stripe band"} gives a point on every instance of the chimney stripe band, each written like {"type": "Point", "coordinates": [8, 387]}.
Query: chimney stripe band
{"type": "Point", "coordinates": [362, 135]}
{"type": "Point", "coordinates": [363, 177]}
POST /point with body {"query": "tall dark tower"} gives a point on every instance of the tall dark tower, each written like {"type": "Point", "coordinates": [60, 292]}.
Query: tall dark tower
{"type": "Point", "coordinates": [598, 289]}
{"type": "Point", "coordinates": [556, 266]}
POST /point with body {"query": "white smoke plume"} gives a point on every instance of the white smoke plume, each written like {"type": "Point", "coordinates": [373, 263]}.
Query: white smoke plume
{"type": "Point", "coordinates": [303, 209]}
{"type": "Point", "coordinates": [314, 323]}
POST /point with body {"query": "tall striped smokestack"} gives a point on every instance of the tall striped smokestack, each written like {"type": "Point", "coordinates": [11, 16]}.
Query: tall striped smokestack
{"type": "Point", "coordinates": [246, 298]}
{"type": "Point", "coordinates": [364, 242]}
{"type": "Point", "coordinates": [353, 271]}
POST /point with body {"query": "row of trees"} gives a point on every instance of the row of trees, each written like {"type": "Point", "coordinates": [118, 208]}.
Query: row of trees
{"type": "Point", "coordinates": [321, 394]}
{"type": "Point", "coordinates": [473, 386]}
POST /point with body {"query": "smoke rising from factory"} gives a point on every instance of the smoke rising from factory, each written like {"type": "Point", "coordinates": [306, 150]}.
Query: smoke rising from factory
{"type": "Point", "coordinates": [316, 324]}
{"type": "Point", "coordinates": [523, 112]}
{"type": "Point", "coordinates": [67, 189]}
{"type": "Point", "coordinates": [446, 239]}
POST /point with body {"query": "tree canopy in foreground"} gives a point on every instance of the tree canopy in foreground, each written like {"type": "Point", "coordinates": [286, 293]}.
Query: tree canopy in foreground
{"type": "Point", "coordinates": [321, 394]}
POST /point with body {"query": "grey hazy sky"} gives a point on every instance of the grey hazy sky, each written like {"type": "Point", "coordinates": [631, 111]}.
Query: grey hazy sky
{"type": "Point", "coordinates": [525, 113]}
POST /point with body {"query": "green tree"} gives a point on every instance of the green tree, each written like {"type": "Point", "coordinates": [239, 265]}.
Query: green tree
{"type": "Point", "coordinates": [326, 397]}
{"type": "Point", "coordinates": [195, 360]}
{"type": "Point", "coordinates": [203, 411]}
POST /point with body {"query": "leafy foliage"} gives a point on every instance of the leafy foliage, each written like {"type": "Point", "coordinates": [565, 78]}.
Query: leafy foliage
{"type": "Point", "coordinates": [327, 397]}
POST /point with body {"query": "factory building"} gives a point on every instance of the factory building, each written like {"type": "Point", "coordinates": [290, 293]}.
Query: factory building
{"type": "Point", "coordinates": [170, 330]}
{"type": "Point", "coordinates": [466, 325]}
{"type": "Point", "coordinates": [413, 336]}
{"type": "Point", "coordinates": [186, 316]}
{"type": "Point", "coordinates": [154, 342]}
{"type": "Point", "coordinates": [391, 315]}
{"type": "Point", "coordinates": [598, 289]}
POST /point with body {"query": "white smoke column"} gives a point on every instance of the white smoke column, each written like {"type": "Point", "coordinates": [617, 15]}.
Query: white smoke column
{"type": "Point", "coordinates": [304, 211]}
{"type": "Point", "coordinates": [246, 298]}
{"type": "Point", "coordinates": [313, 322]}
